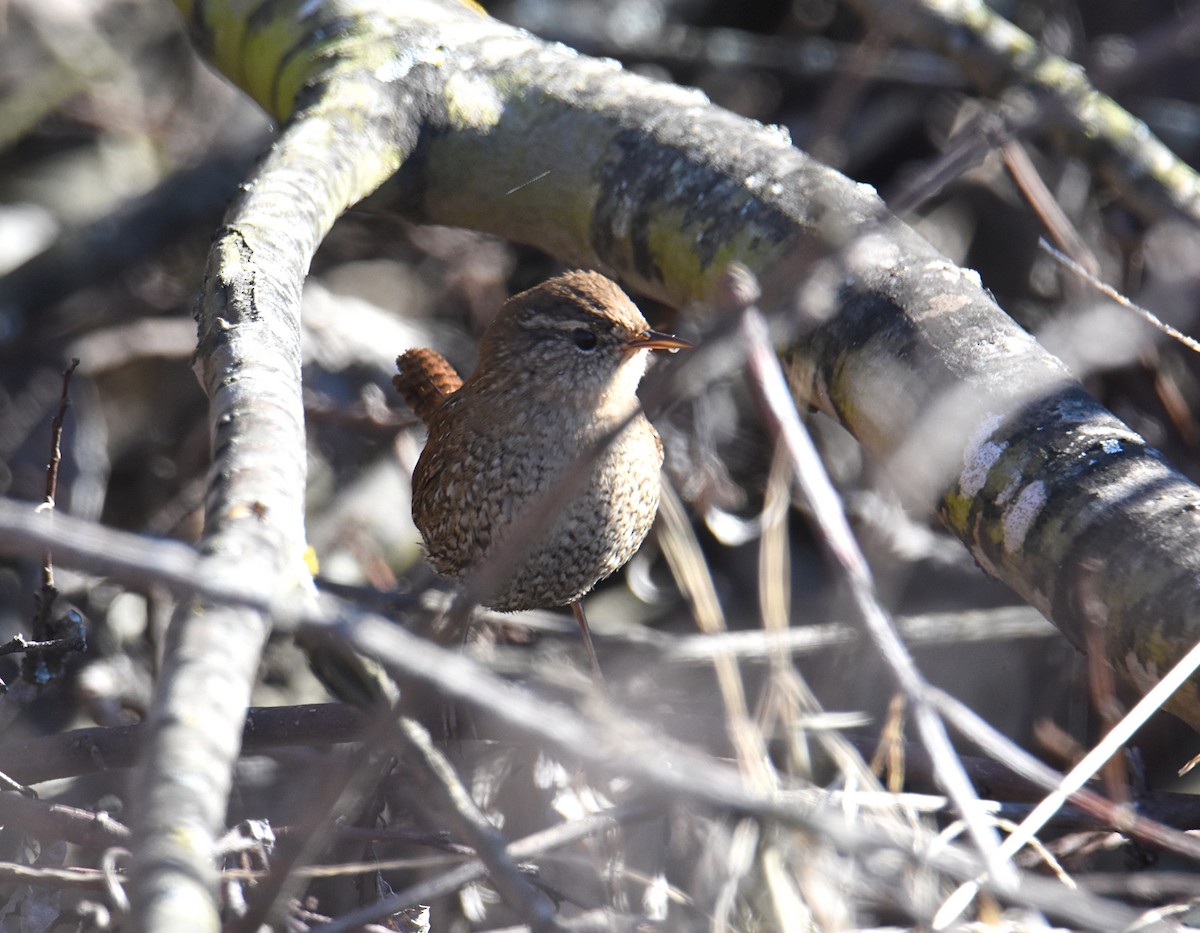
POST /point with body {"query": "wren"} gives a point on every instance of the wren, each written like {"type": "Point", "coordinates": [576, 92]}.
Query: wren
{"type": "Point", "coordinates": [558, 373]}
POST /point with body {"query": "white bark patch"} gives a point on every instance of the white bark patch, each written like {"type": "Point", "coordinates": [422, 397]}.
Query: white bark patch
{"type": "Point", "coordinates": [472, 102]}
{"type": "Point", "coordinates": [817, 298]}
{"type": "Point", "coordinates": [976, 466]}
{"type": "Point", "coordinates": [1020, 516]}
{"type": "Point", "coordinates": [953, 273]}
{"type": "Point", "coordinates": [398, 67]}
{"type": "Point", "coordinates": [944, 305]}
{"type": "Point", "coordinates": [980, 456]}
{"type": "Point", "coordinates": [873, 251]}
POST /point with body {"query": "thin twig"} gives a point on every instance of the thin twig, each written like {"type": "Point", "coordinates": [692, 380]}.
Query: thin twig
{"type": "Point", "coordinates": [933, 628]}
{"type": "Point", "coordinates": [22, 789]}
{"type": "Point", "coordinates": [1043, 203]}
{"type": "Point", "coordinates": [18, 643]}
{"type": "Point", "coordinates": [47, 820]}
{"type": "Point", "coordinates": [48, 503]}
{"type": "Point", "coordinates": [437, 775]}
{"type": "Point", "coordinates": [694, 579]}
{"type": "Point", "coordinates": [39, 662]}
{"type": "Point", "coordinates": [536, 844]}
{"type": "Point", "coordinates": [1102, 687]}
{"type": "Point", "coordinates": [1020, 762]}
{"type": "Point", "coordinates": [770, 384]}
{"type": "Point", "coordinates": [1109, 292]}
{"type": "Point", "coordinates": [1110, 745]}
{"type": "Point", "coordinates": [334, 791]}
{"type": "Point", "coordinates": [14, 873]}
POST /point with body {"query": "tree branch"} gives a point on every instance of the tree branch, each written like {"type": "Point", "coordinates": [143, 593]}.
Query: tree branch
{"type": "Point", "coordinates": [997, 57]}
{"type": "Point", "coordinates": [248, 361]}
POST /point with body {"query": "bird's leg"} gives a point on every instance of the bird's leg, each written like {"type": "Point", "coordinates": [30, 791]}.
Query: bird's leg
{"type": "Point", "coordinates": [581, 618]}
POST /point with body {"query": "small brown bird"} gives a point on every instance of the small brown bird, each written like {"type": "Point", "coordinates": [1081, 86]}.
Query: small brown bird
{"type": "Point", "coordinates": [558, 370]}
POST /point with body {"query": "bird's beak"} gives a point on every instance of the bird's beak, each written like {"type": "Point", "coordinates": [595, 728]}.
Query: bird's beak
{"type": "Point", "coordinates": [653, 340]}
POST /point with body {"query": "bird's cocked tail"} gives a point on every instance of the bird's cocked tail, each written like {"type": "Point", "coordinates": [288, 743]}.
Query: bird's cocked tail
{"type": "Point", "coordinates": [424, 380]}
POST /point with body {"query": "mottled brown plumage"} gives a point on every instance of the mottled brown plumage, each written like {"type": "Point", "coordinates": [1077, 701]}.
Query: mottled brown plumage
{"type": "Point", "coordinates": [558, 369]}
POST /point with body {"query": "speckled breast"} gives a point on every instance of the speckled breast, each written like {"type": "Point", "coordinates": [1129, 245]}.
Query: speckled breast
{"type": "Point", "coordinates": [478, 501]}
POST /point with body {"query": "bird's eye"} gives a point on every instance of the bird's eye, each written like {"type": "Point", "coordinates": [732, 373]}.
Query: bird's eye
{"type": "Point", "coordinates": [584, 339]}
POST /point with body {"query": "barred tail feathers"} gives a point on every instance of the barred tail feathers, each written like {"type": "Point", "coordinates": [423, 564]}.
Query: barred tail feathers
{"type": "Point", "coordinates": [424, 380]}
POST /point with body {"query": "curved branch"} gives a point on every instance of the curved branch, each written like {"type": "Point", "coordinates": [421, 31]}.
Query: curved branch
{"type": "Point", "coordinates": [330, 155]}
